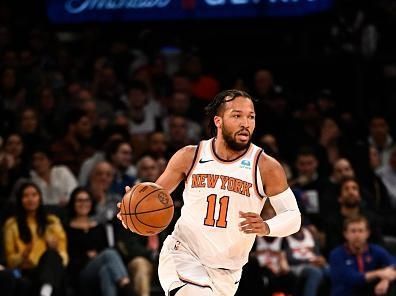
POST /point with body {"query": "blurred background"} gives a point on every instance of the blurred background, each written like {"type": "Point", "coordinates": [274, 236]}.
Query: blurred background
{"type": "Point", "coordinates": [99, 94]}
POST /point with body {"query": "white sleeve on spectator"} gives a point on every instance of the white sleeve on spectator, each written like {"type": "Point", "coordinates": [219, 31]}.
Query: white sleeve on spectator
{"type": "Point", "coordinates": [288, 217]}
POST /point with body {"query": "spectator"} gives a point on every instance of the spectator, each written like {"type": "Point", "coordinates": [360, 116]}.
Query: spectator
{"type": "Point", "coordinates": [100, 181]}
{"type": "Point", "coordinates": [35, 242]}
{"type": "Point", "coordinates": [143, 112]}
{"type": "Point", "coordinates": [309, 185]}
{"type": "Point", "coordinates": [359, 268]}
{"type": "Point", "coordinates": [157, 145]}
{"type": "Point", "coordinates": [306, 261]}
{"type": "Point", "coordinates": [180, 105]}
{"type": "Point", "coordinates": [350, 205]}
{"type": "Point", "coordinates": [12, 94]}
{"type": "Point", "coordinates": [56, 182]}
{"type": "Point", "coordinates": [119, 155]}
{"type": "Point", "coordinates": [148, 169]}
{"type": "Point", "coordinates": [13, 163]}
{"type": "Point", "coordinates": [32, 133]}
{"type": "Point", "coordinates": [112, 133]}
{"type": "Point", "coordinates": [329, 141]}
{"type": "Point", "coordinates": [90, 257]}
{"type": "Point", "coordinates": [387, 173]}
{"type": "Point", "coordinates": [380, 138]}
{"type": "Point", "coordinates": [178, 134]}
{"type": "Point", "coordinates": [107, 87]}
{"type": "Point", "coordinates": [204, 86]}
{"type": "Point", "coordinates": [141, 255]}
{"type": "Point", "coordinates": [75, 146]}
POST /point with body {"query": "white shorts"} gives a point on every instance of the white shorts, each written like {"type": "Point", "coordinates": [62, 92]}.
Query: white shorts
{"type": "Point", "coordinates": [178, 266]}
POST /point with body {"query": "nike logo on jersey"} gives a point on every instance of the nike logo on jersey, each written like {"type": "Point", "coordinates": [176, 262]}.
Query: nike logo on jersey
{"type": "Point", "coordinates": [204, 161]}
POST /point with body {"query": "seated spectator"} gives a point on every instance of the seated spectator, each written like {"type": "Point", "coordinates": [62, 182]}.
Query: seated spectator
{"type": "Point", "coordinates": [380, 137]}
{"type": "Point", "coordinates": [13, 163]}
{"type": "Point", "coordinates": [75, 146]}
{"type": "Point", "coordinates": [143, 112]}
{"type": "Point", "coordinates": [148, 170]}
{"type": "Point", "coordinates": [111, 134]}
{"type": "Point", "coordinates": [90, 257]}
{"type": "Point", "coordinates": [308, 185]}
{"type": "Point", "coordinates": [387, 173]}
{"type": "Point", "coordinates": [29, 127]}
{"type": "Point", "coordinates": [350, 205]}
{"type": "Point", "coordinates": [119, 155]}
{"type": "Point", "coordinates": [100, 182]}
{"type": "Point", "coordinates": [56, 182]}
{"type": "Point", "coordinates": [35, 242]}
{"type": "Point", "coordinates": [180, 105]}
{"type": "Point", "coordinates": [306, 261]}
{"type": "Point", "coordinates": [177, 134]}
{"type": "Point", "coordinates": [141, 255]}
{"type": "Point", "coordinates": [342, 168]}
{"type": "Point", "coordinates": [359, 268]}
{"type": "Point", "coordinates": [157, 145]}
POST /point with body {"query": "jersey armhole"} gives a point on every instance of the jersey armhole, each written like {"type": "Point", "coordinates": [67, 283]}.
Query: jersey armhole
{"type": "Point", "coordinates": [197, 152]}
{"type": "Point", "coordinates": [256, 175]}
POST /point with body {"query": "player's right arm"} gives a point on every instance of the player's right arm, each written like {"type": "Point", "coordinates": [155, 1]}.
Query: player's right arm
{"type": "Point", "coordinates": [177, 168]}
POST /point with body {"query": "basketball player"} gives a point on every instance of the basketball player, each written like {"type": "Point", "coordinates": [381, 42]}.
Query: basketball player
{"type": "Point", "coordinates": [227, 180]}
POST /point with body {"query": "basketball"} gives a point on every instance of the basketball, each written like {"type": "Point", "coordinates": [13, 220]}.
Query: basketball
{"type": "Point", "coordinates": [147, 208]}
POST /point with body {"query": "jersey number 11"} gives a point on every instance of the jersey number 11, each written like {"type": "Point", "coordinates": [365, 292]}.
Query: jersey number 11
{"type": "Point", "coordinates": [210, 212]}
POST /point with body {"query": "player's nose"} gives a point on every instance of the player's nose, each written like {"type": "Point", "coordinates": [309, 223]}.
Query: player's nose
{"type": "Point", "coordinates": [245, 122]}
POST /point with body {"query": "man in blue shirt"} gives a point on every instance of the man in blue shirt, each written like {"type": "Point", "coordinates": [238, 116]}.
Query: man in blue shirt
{"type": "Point", "coordinates": [357, 267]}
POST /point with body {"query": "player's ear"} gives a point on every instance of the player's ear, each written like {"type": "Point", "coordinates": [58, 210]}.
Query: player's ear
{"type": "Point", "coordinates": [217, 121]}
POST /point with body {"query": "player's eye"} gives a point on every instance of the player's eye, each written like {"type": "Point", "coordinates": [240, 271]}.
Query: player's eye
{"type": "Point", "coordinates": [236, 116]}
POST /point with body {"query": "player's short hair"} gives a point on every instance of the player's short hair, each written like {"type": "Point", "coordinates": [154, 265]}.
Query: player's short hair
{"type": "Point", "coordinates": [214, 108]}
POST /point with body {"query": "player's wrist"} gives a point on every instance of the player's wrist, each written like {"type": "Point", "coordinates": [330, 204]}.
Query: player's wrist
{"type": "Point", "coordinates": [266, 229]}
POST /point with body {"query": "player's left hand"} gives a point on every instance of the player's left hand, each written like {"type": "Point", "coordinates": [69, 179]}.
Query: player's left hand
{"type": "Point", "coordinates": [253, 223]}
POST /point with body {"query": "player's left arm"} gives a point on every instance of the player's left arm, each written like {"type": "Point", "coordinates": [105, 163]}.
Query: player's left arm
{"type": "Point", "coordinates": [288, 217]}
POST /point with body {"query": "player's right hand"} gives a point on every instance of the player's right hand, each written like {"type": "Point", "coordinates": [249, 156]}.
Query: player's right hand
{"type": "Point", "coordinates": [127, 188]}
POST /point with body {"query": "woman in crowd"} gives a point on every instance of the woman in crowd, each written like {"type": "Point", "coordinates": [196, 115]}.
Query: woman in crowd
{"type": "Point", "coordinates": [90, 257]}
{"type": "Point", "coordinates": [35, 242]}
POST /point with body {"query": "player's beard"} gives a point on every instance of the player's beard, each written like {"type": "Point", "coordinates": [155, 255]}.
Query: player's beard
{"type": "Point", "coordinates": [231, 141]}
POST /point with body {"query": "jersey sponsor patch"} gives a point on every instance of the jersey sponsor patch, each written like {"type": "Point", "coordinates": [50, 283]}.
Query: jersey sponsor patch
{"type": "Point", "coordinates": [245, 164]}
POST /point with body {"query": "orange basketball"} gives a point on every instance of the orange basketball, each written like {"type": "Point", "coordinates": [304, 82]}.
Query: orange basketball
{"type": "Point", "coordinates": [147, 208]}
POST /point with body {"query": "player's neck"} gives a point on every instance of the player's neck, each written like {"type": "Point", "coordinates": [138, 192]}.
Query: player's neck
{"type": "Point", "coordinates": [223, 151]}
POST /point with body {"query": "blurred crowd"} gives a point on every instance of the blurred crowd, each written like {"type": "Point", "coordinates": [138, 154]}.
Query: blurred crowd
{"type": "Point", "coordinates": [83, 117]}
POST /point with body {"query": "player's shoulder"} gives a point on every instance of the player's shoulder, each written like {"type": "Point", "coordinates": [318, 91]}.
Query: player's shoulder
{"type": "Point", "coordinates": [268, 163]}
{"type": "Point", "coordinates": [187, 152]}
{"type": "Point", "coordinates": [189, 149]}
{"type": "Point", "coordinates": [183, 157]}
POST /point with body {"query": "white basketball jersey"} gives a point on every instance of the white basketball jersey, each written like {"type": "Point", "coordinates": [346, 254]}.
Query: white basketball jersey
{"type": "Point", "coordinates": [215, 191]}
